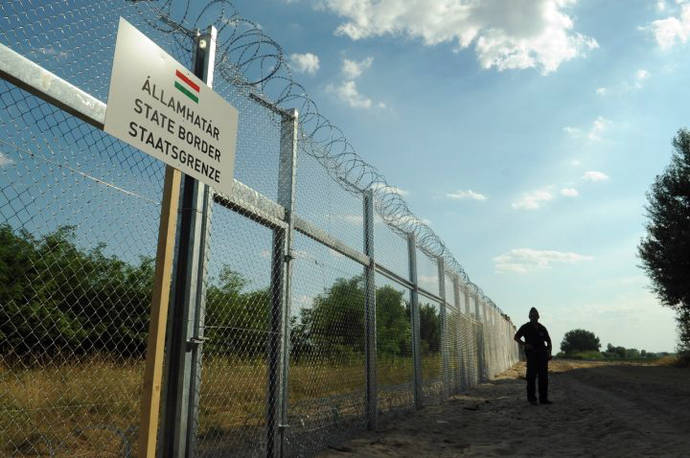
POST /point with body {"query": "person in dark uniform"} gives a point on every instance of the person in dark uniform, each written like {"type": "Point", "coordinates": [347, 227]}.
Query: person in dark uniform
{"type": "Point", "coordinates": [537, 347]}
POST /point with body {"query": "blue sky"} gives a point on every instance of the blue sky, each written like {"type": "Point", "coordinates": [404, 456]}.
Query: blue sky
{"type": "Point", "coordinates": [526, 136]}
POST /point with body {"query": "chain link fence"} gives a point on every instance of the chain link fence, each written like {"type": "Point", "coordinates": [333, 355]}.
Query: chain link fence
{"type": "Point", "coordinates": [320, 309]}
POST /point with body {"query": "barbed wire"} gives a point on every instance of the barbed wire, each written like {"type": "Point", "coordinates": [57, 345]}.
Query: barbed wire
{"type": "Point", "coordinates": [252, 61]}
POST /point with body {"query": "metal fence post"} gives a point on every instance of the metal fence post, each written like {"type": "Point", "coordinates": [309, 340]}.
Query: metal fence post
{"type": "Point", "coordinates": [458, 335]}
{"type": "Point", "coordinates": [444, 328]}
{"type": "Point", "coordinates": [281, 293]}
{"type": "Point", "coordinates": [370, 310]}
{"type": "Point", "coordinates": [187, 314]}
{"type": "Point", "coordinates": [466, 293]}
{"type": "Point", "coordinates": [480, 337]}
{"type": "Point", "coordinates": [414, 320]}
{"type": "Point", "coordinates": [471, 363]}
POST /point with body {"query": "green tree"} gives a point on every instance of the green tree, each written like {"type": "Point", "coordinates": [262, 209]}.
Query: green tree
{"type": "Point", "coordinates": [393, 333]}
{"type": "Point", "coordinates": [632, 353]}
{"type": "Point", "coordinates": [613, 352]}
{"type": "Point", "coordinates": [58, 299]}
{"type": "Point", "coordinates": [336, 321]}
{"type": "Point", "coordinates": [430, 328]}
{"type": "Point", "coordinates": [334, 325]}
{"type": "Point", "coordinates": [683, 320]}
{"type": "Point", "coordinates": [237, 320]}
{"type": "Point", "coordinates": [579, 340]}
{"type": "Point", "coordinates": [665, 249]}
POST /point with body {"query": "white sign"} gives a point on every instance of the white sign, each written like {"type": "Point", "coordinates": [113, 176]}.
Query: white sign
{"type": "Point", "coordinates": [158, 106]}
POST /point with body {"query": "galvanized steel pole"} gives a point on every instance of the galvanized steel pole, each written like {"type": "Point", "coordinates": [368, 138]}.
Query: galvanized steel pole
{"type": "Point", "coordinates": [466, 292]}
{"type": "Point", "coordinates": [460, 364]}
{"type": "Point", "coordinates": [279, 343]}
{"type": "Point", "coordinates": [414, 319]}
{"type": "Point", "coordinates": [444, 328]}
{"type": "Point", "coordinates": [480, 338]}
{"type": "Point", "coordinates": [188, 311]}
{"type": "Point", "coordinates": [370, 310]}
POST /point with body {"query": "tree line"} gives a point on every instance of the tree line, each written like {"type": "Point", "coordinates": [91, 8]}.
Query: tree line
{"type": "Point", "coordinates": [582, 344]}
{"type": "Point", "coordinates": [58, 299]}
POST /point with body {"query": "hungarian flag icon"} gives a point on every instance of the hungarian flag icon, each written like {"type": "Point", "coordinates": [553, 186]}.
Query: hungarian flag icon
{"type": "Point", "coordinates": [187, 86]}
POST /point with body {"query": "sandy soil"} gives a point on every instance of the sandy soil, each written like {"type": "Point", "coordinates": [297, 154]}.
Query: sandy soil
{"type": "Point", "coordinates": [599, 410]}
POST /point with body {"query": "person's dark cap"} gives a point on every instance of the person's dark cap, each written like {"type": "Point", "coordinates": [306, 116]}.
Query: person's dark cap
{"type": "Point", "coordinates": [533, 309]}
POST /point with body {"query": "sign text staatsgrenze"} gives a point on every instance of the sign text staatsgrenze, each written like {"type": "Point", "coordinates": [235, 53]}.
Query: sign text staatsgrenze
{"type": "Point", "coordinates": [158, 106]}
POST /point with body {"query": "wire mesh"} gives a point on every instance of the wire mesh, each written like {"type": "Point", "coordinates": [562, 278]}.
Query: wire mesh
{"type": "Point", "coordinates": [77, 254]}
{"type": "Point", "coordinates": [454, 359]}
{"type": "Point", "coordinates": [430, 346]}
{"type": "Point", "coordinates": [450, 290]}
{"type": "Point", "coordinates": [323, 201]}
{"type": "Point", "coordinates": [79, 212]}
{"type": "Point", "coordinates": [238, 306]}
{"type": "Point", "coordinates": [327, 373]}
{"type": "Point", "coordinates": [391, 249]}
{"type": "Point", "coordinates": [394, 365]}
{"type": "Point", "coordinates": [427, 273]}
{"type": "Point", "coordinates": [258, 139]}
{"type": "Point", "coordinates": [469, 335]}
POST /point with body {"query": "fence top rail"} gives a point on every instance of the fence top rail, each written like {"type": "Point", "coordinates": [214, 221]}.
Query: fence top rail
{"type": "Point", "coordinates": [46, 85]}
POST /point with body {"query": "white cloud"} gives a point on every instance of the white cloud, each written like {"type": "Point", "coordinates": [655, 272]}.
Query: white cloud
{"type": "Point", "coordinates": [4, 160]}
{"type": "Point", "coordinates": [640, 76]}
{"type": "Point", "coordinates": [524, 260]}
{"type": "Point", "coordinates": [595, 132]}
{"type": "Point", "coordinates": [572, 131]}
{"type": "Point", "coordinates": [635, 83]}
{"type": "Point", "coordinates": [357, 219]}
{"type": "Point", "coordinates": [569, 192]}
{"type": "Point", "coordinates": [469, 194]}
{"type": "Point", "coordinates": [414, 220]}
{"type": "Point", "coordinates": [533, 200]}
{"type": "Point", "coordinates": [387, 188]}
{"type": "Point", "coordinates": [661, 5]}
{"type": "Point", "coordinates": [354, 69]}
{"type": "Point", "coordinates": [305, 63]}
{"type": "Point", "coordinates": [598, 127]}
{"type": "Point", "coordinates": [352, 218]}
{"type": "Point", "coordinates": [672, 29]}
{"type": "Point", "coordinates": [303, 300]}
{"type": "Point", "coordinates": [595, 176]}
{"type": "Point", "coordinates": [528, 34]}
{"type": "Point", "coordinates": [347, 92]}
{"type": "Point", "coordinates": [429, 282]}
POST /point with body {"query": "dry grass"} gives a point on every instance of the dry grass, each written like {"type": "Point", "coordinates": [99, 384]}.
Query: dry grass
{"type": "Point", "coordinates": [679, 360]}
{"type": "Point", "coordinates": [83, 408]}
{"type": "Point", "coordinates": [87, 409]}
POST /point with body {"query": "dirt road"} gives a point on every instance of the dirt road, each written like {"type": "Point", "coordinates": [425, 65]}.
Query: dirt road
{"type": "Point", "coordinates": [599, 410]}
